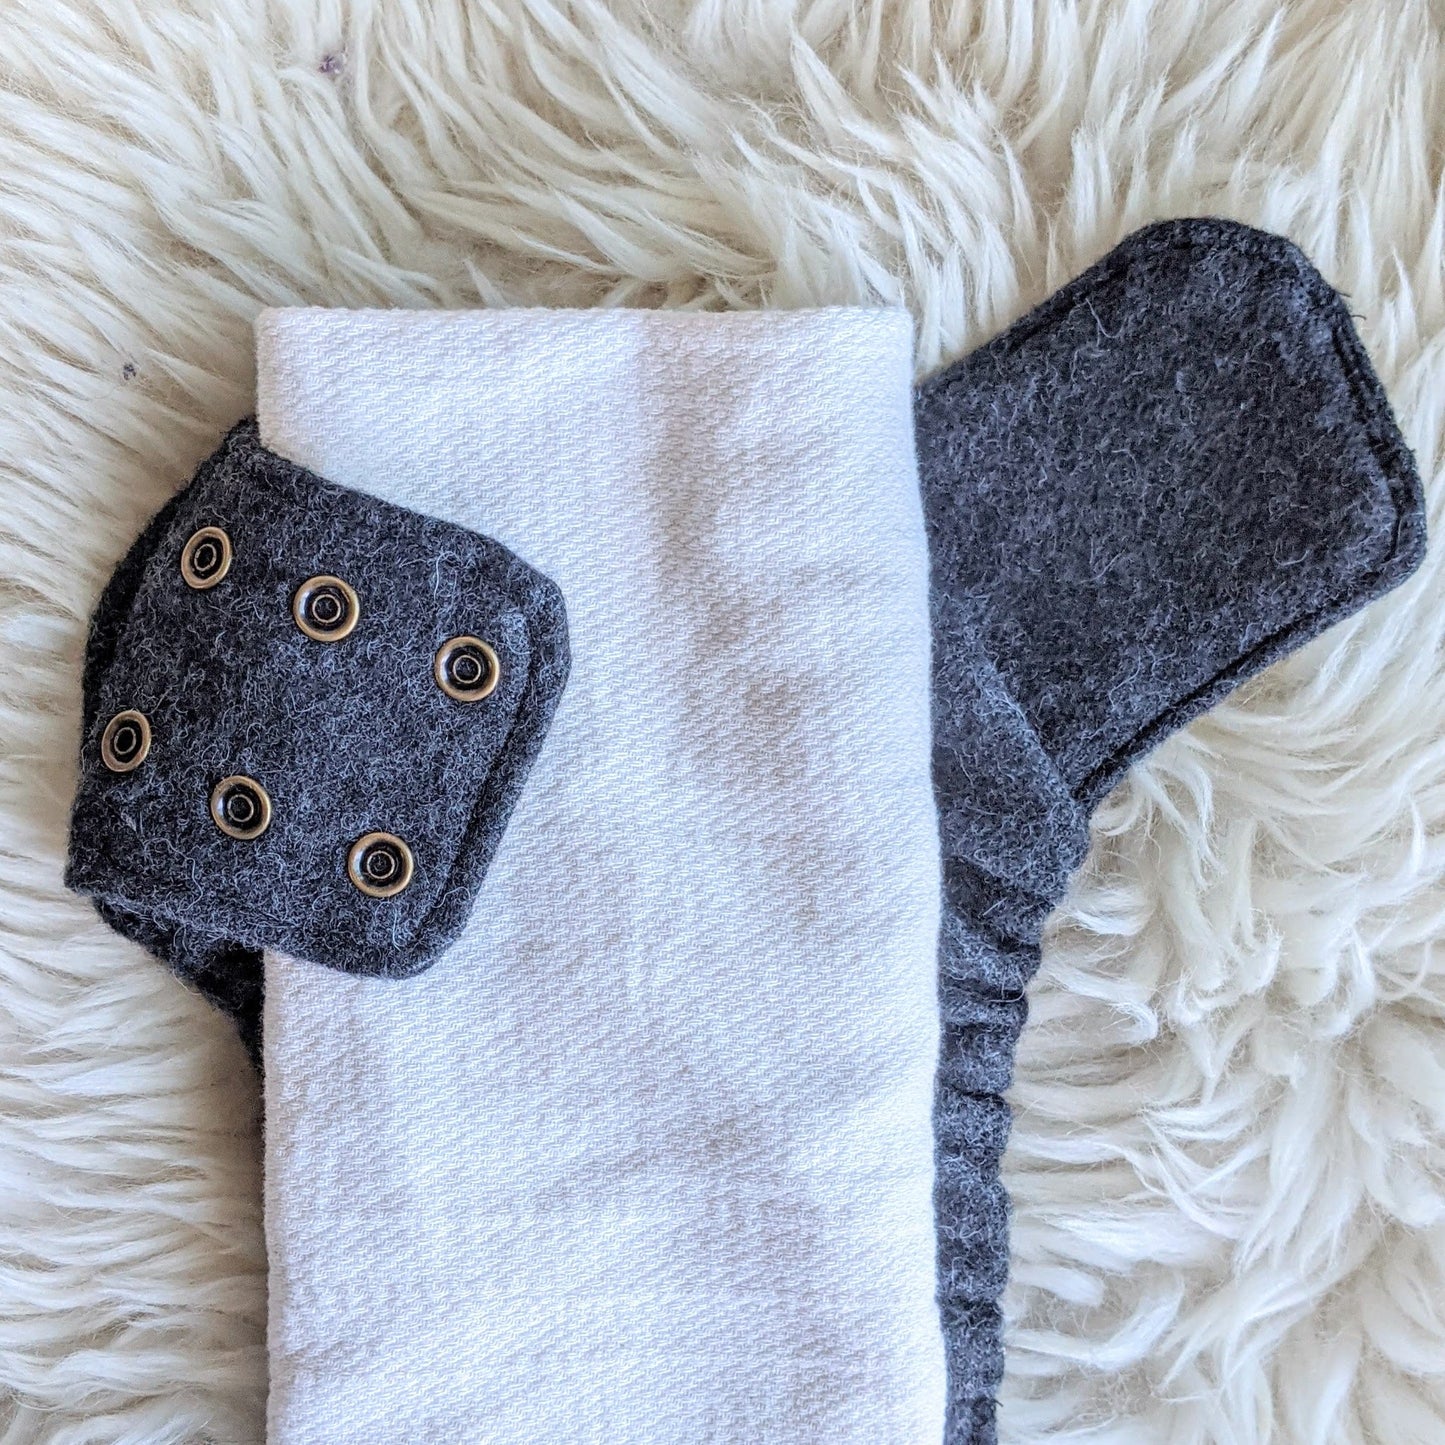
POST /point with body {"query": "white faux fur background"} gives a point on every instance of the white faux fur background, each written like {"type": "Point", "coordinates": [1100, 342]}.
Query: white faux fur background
{"type": "Point", "coordinates": [1229, 1160]}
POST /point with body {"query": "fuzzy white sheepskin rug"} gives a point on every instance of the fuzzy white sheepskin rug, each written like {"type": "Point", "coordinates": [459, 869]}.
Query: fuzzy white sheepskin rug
{"type": "Point", "coordinates": [1229, 1160]}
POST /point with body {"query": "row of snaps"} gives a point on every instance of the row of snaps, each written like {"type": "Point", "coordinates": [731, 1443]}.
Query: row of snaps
{"type": "Point", "coordinates": [327, 609]}
{"type": "Point", "coordinates": [378, 864]}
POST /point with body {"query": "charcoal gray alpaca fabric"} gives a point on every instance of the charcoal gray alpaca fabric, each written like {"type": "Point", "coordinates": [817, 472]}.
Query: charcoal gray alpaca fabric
{"type": "Point", "coordinates": [347, 737]}
{"type": "Point", "coordinates": [1175, 470]}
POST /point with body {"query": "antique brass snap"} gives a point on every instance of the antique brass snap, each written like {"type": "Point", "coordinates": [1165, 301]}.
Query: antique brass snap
{"type": "Point", "coordinates": [206, 558]}
{"type": "Point", "coordinates": [467, 669]}
{"type": "Point", "coordinates": [125, 741]}
{"type": "Point", "coordinates": [240, 807]}
{"type": "Point", "coordinates": [326, 608]}
{"type": "Point", "coordinates": [379, 865]}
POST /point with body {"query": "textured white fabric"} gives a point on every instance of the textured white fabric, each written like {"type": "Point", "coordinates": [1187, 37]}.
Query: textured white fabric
{"type": "Point", "coordinates": [647, 1156]}
{"type": "Point", "coordinates": [1230, 1109]}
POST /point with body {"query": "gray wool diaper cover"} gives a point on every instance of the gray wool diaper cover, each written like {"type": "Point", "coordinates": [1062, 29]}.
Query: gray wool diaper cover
{"type": "Point", "coordinates": [1176, 470]}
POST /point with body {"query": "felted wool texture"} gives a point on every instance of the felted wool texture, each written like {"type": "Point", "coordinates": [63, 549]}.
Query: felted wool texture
{"type": "Point", "coordinates": [1174, 471]}
{"type": "Point", "coordinates": [1228, 1111]}
{"type": "Point", "coordinates": [347, 737]}
{"type": "Point", "coordinates": [647, 1156]}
